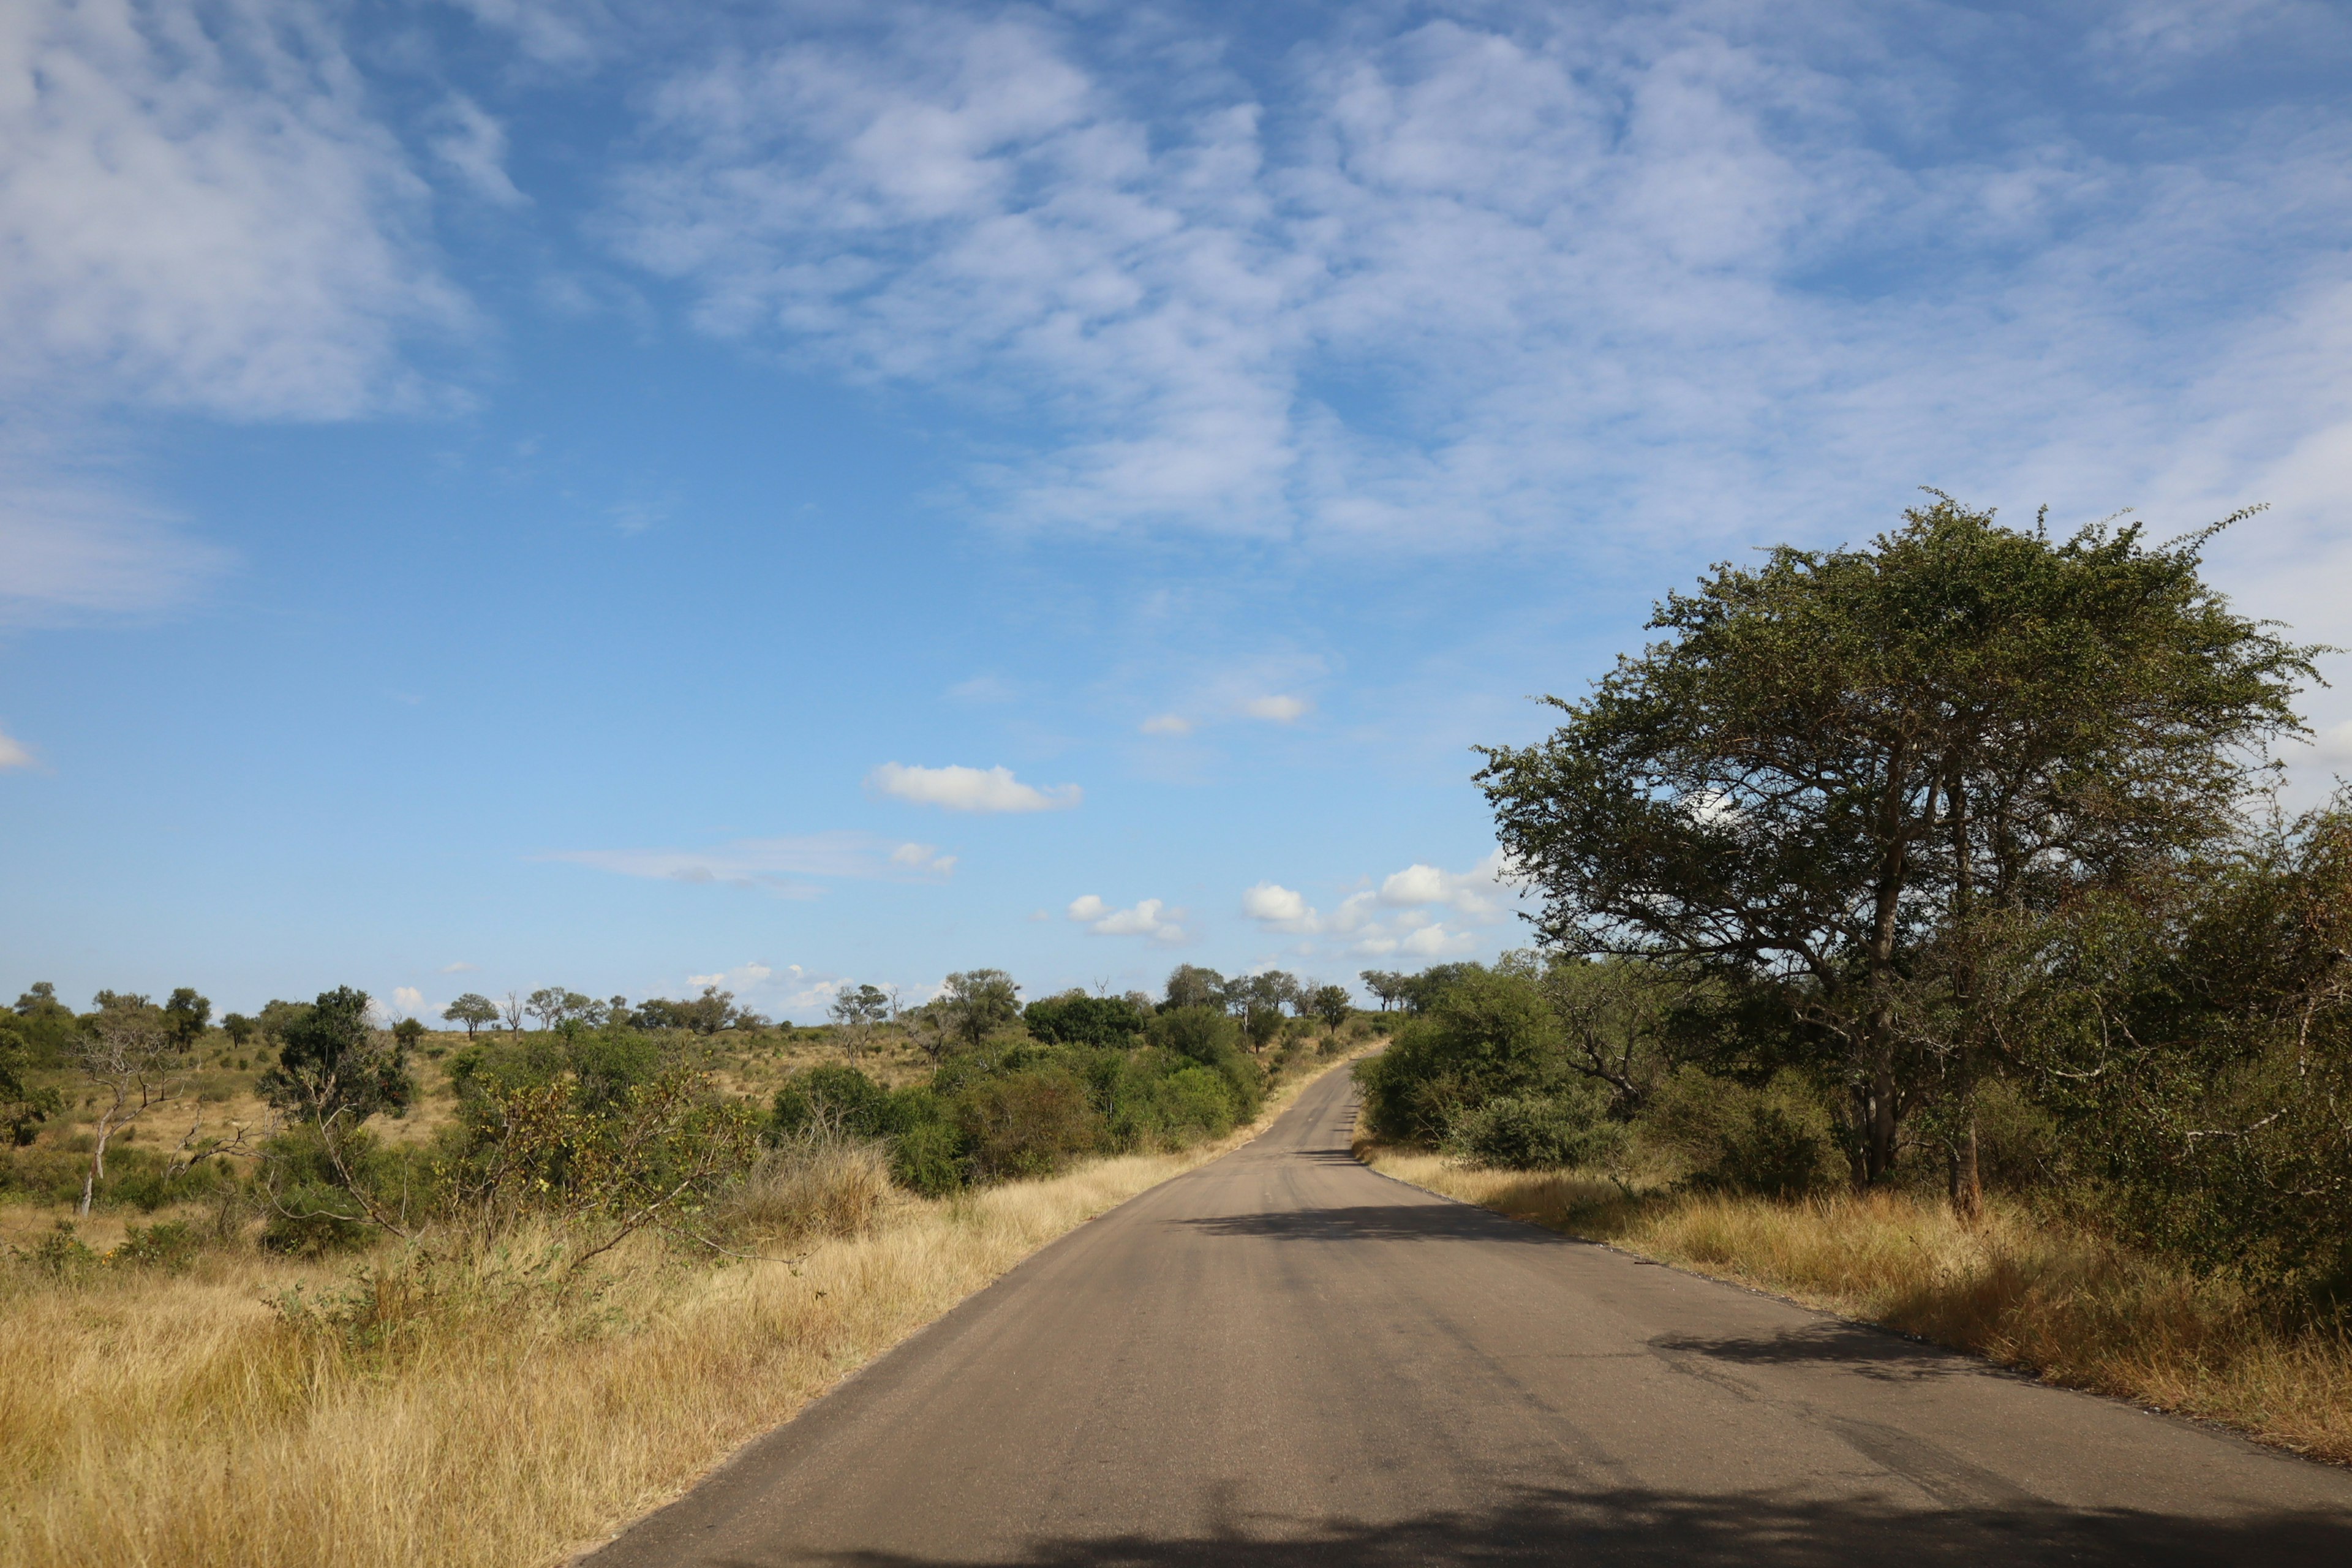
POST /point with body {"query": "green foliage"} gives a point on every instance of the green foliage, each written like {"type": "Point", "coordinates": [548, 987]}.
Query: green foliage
{"type": "Point", "coordinates": [1776, 1140]}
{"type": "Point", "coordinates": [60, 1254]}
{"type": "Point", "coordinates": [23, 1105]}
{"type": "Point", "coordinates": [308, 1181]}
{"type": "Point", "coordinates": [1839, 771]}
{"type": "Point", "coordinates": [332, 1065]}
{"type": "Point", "coordinates": [1190, 986]}
{"type": "Point", "coordinates": [186, 1016]}
{"type": "Point", "coordinates": [1331, 1005]}
{"type": "Point", "coordinates": [978, 1002]}
{"type": "Point", "coordinates": [1537, 1132]}
{"type": "Point", "coordinates": [1075, 1018]}
{"type": "Point", "coordinates": [707, 1014]}
{"type": "Point", "coordinates": [841, 1097]}
{"type": "Point", "coordinates": [473, 1010]}
{"type": "Point", "coordinates": [928, 1157]}
{"type": "Point", "coordinates": [169, 1247]}
{"type": "Point", "coordinates": [1027, 1122]}
{"type": "Point", "coordinates": [1485, 1034]}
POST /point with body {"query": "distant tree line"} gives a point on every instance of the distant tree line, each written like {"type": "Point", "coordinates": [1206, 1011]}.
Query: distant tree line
{"type": "Point", "coordinates": [604, 1114]}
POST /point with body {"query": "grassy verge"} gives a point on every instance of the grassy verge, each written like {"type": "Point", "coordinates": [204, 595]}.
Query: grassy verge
{"type": "Point", "coordinates": [275, 1415]}
{"type": "Point", "coordinates": [2060, 1302]}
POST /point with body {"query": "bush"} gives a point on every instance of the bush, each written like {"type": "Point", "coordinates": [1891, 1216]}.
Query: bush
{"type": "Point", "coordinates": [311, 1213]}
{"type": "Point", "coordinates": [1026, 1123]}
{"type": "Point", "coordinates": [60, 1255]}
{"type": "Point", "coordinates": [1486, 1033]}
{"type": "Point", "coordinates": [839, 1097]}
{"type": "Point", "coordinates": [929, 1158]}
{"type": "Point", "coordinates": [170, 1245]}
{"type": "Point", "coordinates": [1537, 1132]}
{"type": "Point", "coordinates": [1776, 1140]}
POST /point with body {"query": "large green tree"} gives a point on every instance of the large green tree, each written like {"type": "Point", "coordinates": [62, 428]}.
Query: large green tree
{"type": "Point", "coordinates": [1838, 770]}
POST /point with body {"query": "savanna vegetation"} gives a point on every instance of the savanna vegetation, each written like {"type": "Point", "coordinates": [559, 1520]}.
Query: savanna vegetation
{"type": "Point", "coordinates": [1920, 934]}
{"type": "Point", "coordinates": [318, 1286]}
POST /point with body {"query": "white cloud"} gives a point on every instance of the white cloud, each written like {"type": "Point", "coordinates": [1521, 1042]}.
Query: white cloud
{"type": "Point", "coordinates": [460, 967]}
{"type": "Point", "coordinates": [408, 999]}
{"type": "Point", "coordinates": [1276, 905]}
{"type": "Point", "coordinates": [1168, 724]}
{"type": "Point", "coordinates": [13, 753]}
{"type": "Point", "coordinates": [969, 789]}
{"type": "Point", "coordinates": [1146, 919]}
{"type": "Point", "coordinates": [1550, 241]}
{"type": "Point", "coordinates": [1279, 709]}
{"type": "Point", "coordinates": [473, 146]}
{"type": "Point", "coordinates": [1478, 892]}
{"type": "Point", "coordinates": [1394, 917]}
{"type": "Point", "coordinates": [773, 863]}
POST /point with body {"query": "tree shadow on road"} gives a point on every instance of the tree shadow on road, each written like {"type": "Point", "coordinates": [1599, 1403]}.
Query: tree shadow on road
{"type": "Point", "coordinates": [1634, 1529]}
{"type": "Point", "coordinates": [1860, 1347]}
{"type": "Point", "coordinates": [1382, 1222]}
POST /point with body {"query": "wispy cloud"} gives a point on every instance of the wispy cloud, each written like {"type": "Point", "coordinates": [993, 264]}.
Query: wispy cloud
{"type": "Point", "coordinates": [773, 864]}
{"type": "Point", "coordinates": [13, 753]}
{"type": "Point", "coordinates": [473, 146]}
{"type": "Point", "coordinates": [956, 788]}
{"type": "Point", "coordinates": [199, 211]}
{"type": "Point", "coordinates": [1548, 243]}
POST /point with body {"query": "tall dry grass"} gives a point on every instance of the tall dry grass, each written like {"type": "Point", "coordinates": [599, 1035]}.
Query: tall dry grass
{"type": "Point", "coordinates": [2060, 1301]}
{"type": "Point", "coordinates": [463, 1410]}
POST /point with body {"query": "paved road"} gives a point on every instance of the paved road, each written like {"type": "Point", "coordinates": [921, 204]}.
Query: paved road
{"type": "Point", "coordinates": [1282, 1358]}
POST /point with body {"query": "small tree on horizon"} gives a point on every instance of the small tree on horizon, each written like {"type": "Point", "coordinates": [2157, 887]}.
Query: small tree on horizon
{"type": "Point", "coordinates": [473, 1010]}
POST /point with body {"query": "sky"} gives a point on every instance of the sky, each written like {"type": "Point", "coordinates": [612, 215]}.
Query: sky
{"type": "Point", "coordinates": [505, 493]}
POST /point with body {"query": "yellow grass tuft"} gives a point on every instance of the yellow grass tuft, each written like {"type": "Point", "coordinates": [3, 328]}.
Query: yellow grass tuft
{"type": "Point", "coordinates": [2059, 1300]}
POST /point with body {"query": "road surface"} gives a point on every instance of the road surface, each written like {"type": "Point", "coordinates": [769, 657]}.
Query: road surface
{"type": "Point", "coordinates": [1283, 1358]}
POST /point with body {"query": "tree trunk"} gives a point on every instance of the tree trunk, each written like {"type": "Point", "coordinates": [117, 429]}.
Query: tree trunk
{"type": "Point", "coordinates": [1879, 1129]}
{"type": "Point", "coordinates": [1967, 1189]}
{"type": "Point", "coordinates": [97, 1172]}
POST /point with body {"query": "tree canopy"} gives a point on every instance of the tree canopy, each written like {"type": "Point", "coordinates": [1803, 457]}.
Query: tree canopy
{"type": "Point", "coordinates": [1837, 767]}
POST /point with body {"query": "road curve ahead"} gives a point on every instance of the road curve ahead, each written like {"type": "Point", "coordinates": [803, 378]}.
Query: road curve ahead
{"type": "Point", "coordinates": [1282, 1358]}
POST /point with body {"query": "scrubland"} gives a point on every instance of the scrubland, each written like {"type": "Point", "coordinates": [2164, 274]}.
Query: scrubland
{"type": "Point", "coordinates": [2026, 1290]}
{"type": "Point", "coordinates": [455, 1406]}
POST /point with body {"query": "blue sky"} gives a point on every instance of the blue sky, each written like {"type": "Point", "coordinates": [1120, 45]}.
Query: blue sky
{"type": "Point", "coordinates": [517, 492]}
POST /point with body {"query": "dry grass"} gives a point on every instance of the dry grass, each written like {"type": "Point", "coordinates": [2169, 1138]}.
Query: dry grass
{"type": "Point", "coordinates": [2058, 1300]}
{"type": "Point", "coordinates": [464, 1412]}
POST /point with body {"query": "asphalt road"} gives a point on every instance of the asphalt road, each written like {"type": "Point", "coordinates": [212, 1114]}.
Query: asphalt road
{"type": "Point", "coordinates": [1282, 1358]}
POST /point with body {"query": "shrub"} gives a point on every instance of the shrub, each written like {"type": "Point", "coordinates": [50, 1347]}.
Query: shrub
{"type": "Point", "coordinates": [170, 1245]}
{"type": "Point", "coordinates": [1026, 1123]}
{"type": "Point", "coordinates": [1535, 1132]}
{"type": "Point", "coordinates": [61, 1254]}
{"type": "Point", "coordinates": [929, 1158]}
{"type": "Point", "coordinates": [840, 1097]}
{"type": "Point", "coordinates": [1776, 1140]}
{"type": "Point", "coordinates": [1485, 1033]}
